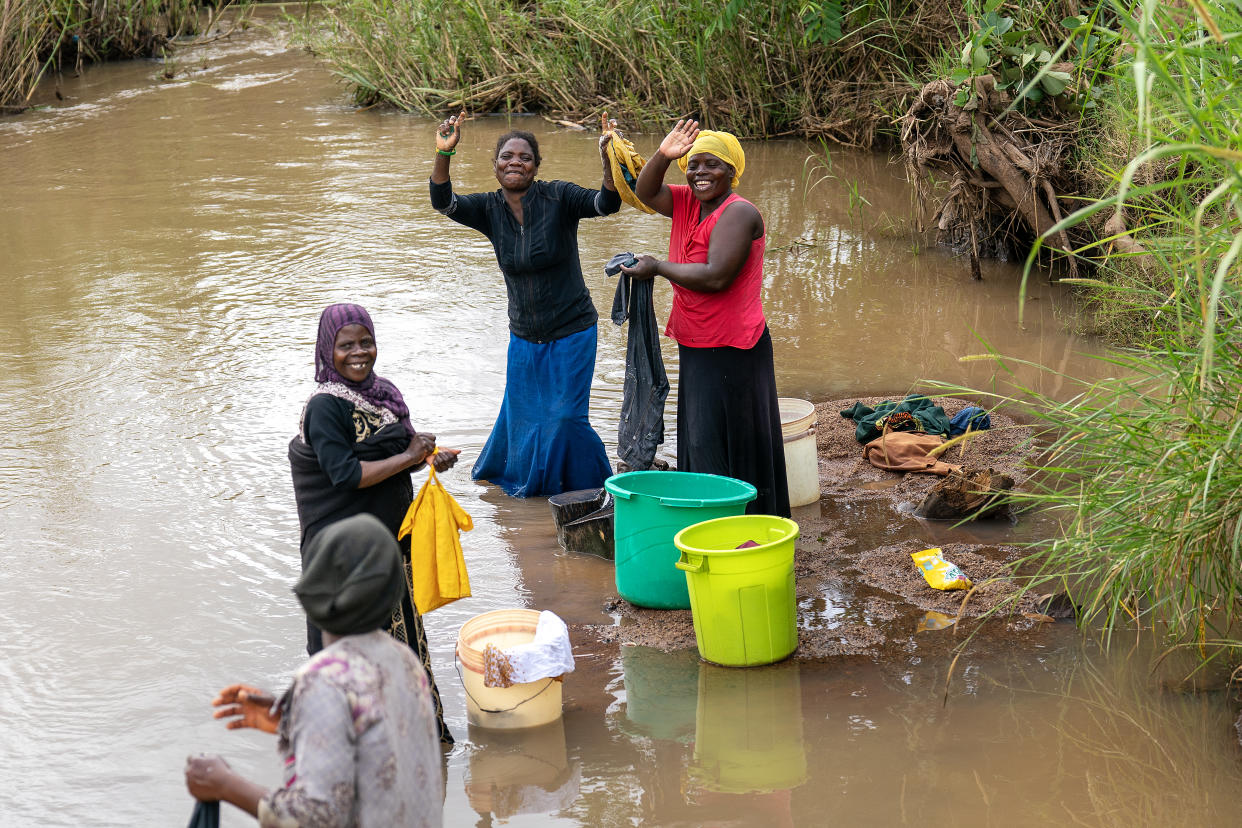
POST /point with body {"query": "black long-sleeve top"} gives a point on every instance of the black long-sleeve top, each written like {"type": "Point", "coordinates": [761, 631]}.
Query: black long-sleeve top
{"type": "Point", "coordinates": [548, 298]}
{"type": "Point", "coordinates": [327, 467]}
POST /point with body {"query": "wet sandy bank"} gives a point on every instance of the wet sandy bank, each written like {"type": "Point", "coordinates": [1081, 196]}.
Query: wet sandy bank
{"type": "Point", "coordinates": [858, 591]}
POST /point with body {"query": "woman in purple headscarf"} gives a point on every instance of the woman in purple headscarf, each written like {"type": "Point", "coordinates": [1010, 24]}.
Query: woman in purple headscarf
{"type": "Point", "coordinates": [353, 454]}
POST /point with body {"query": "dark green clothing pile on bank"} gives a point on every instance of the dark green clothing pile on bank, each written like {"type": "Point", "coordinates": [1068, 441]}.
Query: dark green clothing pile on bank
{"type": "Point", "coordinates": [915, 413]}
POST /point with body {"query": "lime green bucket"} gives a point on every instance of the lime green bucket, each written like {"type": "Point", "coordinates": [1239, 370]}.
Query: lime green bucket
{"type": "Point", "coordinates": [650, 507]}
{"type": "Point", "coordinates": [743, 599]}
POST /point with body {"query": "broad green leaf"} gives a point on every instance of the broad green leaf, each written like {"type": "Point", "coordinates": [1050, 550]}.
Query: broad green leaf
{"type": "Point", "coordinates": [980, 59]}
{"type": "Point", "coordinates": [1053, 86]}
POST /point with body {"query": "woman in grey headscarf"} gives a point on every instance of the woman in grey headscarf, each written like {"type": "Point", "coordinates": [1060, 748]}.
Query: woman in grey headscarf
{"type": "Point", "coordinates": [357, 730]}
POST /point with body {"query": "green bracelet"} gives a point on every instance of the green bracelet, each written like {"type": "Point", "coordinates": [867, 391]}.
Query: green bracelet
{"type": "Point", "coordinates": [447, 152]}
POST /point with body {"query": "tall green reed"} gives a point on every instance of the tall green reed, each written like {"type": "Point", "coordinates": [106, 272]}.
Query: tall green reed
{"type": "Point", "coordinates": [1146, 465]}
{"type": "Point", "coordinates": [755, 67]}
{"type": "Point", "coordinates": [39, 35]}
{"type": "Point", "coordinates": [25, 29]}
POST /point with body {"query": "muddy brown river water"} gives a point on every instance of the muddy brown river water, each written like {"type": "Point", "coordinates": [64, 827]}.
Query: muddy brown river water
{"type": "Point", "coordinates": [165, 249]}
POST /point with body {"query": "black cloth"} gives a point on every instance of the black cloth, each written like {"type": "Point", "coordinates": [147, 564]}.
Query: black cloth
{"type": "Point", "coordinates": [641, 429]}
{"type": "Point", "coordinates": [205, 815]}
{"type": "Point", "coordinates": [729, 421]}
{"type": "Point", "coordinates": [548, 298]}
{"type": "Point", "coordinates": [352, 579]}
{"type": "Point", "coordinates": [322, 498]}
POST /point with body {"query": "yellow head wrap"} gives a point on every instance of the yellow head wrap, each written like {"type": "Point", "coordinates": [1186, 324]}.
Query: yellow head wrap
{"type": "Point", "coordinates": [720, 144]}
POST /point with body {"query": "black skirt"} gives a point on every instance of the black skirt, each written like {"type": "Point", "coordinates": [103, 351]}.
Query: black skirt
{"type": "Point", "coordinates": [728, 420]}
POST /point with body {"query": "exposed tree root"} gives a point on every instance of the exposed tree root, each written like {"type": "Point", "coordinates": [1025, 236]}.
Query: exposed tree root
{"type": "Point", "coordinates": [1004, 169]}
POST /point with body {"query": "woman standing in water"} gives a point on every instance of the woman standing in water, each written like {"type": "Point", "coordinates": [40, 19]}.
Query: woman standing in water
{"type": "Point", "coordinates": [728, 420]}
{"type": "Point", "coordinates": [542, 442]}
{"type": "Point", "coordinates": [353, 454]}
{"type": "Point", "coordinates": [357, 728]}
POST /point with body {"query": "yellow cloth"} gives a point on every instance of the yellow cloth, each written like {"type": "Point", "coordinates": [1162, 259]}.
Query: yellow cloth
{"type": "Point", "coordinates": [626, 164]}
{"type": "Point", "coordinates": [433, 522]}
{"type": "Point", "coordinates": [720, 144]}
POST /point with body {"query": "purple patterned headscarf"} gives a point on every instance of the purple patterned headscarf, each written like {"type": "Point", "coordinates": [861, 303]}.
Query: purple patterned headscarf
{"type": "Point", "coordinates": [374, 389]}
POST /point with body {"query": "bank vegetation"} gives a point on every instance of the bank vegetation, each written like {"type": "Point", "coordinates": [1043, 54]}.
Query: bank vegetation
{"type": "Point", "coordinates": [1146, 465]}
{"type": "Point", "coordinates": [845, 71]}
{"type": "Point", "coordinates": [42, 38]}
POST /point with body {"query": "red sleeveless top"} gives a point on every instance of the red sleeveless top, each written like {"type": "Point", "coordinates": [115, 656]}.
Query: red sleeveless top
{"type": "Point", "coordinates": [734, 316]}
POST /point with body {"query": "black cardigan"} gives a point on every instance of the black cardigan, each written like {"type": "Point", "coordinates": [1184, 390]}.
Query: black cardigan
{"type": "Point", "coordinates": [548, 299]}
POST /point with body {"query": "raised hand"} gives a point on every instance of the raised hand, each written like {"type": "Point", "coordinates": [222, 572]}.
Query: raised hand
{"type": "Point", "coordinates": [449, 131]}
{"type": "Point", "coordinates": [246, 706]}
{"type": "Point", "coordinates": [678, 142]}
{"type": "Point", "coordinates": [606, 128]}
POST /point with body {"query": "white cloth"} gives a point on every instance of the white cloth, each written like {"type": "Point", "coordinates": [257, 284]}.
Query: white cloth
{"type": "Point", "coordinates": [548, 656]}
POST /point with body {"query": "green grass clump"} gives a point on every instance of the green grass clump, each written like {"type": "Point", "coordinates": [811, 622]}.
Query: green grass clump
{"type": "Point", "coordinates": [39, 35]}
{"type": "Point", "coordinates": [1146, 466]}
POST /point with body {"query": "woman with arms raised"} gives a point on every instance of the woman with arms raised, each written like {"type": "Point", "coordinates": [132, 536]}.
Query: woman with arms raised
{"type": "Point", "coordinates": [353, 454]}
{"type": "Point", "coordinates": [542, 442]}
{"type": "Point", "coordinates": [728, 421]}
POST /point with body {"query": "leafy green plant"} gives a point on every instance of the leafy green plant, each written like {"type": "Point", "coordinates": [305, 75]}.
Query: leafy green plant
{"type": "Point", "coordinates": [816, 68]}
{"type": "Point", "coordinates": [1021, 62]}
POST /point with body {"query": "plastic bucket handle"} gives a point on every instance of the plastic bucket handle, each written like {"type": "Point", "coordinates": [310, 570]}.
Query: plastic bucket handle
{"type": "Point", "coordinates": [683, 503]}
{"type": "Point", "coordinates": [482, 709]}
{"type": "Point", "coordinates": [687, 566]}
{"type": "Point", "coordinates": [799, 436]}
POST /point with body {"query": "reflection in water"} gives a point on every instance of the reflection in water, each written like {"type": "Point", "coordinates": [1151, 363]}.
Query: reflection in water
{"type": "Point", "coordinates": [661, 692]}
{"type": "Point", "coordinates": [743, 726]}
{"type": "Point", "coordinates": [520, 771]}
{"type": "Point", "coordinates": [748, 737]}
{"type": "Point", "coordinates": [165, 250]}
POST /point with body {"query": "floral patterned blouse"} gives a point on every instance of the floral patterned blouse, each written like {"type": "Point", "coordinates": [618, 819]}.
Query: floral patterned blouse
{"type": "Point", "coordinates": [358, 737]}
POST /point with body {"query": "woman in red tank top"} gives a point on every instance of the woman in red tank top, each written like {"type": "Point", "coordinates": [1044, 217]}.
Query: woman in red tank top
{"type": "Point", "coordinates": [728, 421]}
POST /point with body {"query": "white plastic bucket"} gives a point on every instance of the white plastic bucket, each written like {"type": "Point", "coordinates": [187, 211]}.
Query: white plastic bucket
{"type": "Point", "coordinates": [503, 708]}
{"type": "Point", "coordinates": [801, 458]}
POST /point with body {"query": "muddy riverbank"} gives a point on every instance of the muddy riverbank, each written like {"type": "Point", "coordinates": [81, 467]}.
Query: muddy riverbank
{"type": "Point", "coordinates": [861, 594]}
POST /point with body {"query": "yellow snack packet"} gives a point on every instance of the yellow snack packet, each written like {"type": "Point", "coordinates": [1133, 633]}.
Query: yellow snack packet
{"type": "Point", "coordinates": [938, 572]}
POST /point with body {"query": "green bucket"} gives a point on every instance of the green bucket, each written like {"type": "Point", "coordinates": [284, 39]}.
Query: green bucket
{"type": "Point", "coordinates": [650, 507]}
{"type": "Point", "coordinates": [742, 598]}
